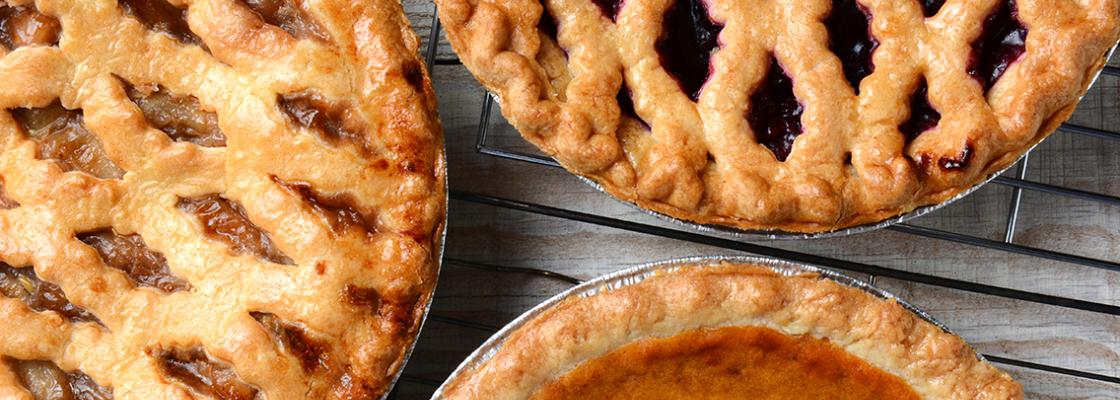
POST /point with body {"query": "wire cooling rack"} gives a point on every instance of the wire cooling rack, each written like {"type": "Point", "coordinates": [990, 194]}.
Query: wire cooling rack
{"type": "Point", "coordinates": [1015, 179]}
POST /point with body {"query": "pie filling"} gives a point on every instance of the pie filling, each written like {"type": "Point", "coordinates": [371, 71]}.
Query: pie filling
{"type": "Point", "coordinates": [625, 100]}
{"type": "Point", "coordinates": [6, 203]}
{"type": "Point", "coordinates": [398, 308]}
{"type": "Point", "coordinates": [46, 381]}
{"type": "Point", "coordinates": [161, 16]}
{"type": "Point", "coordinates": [958, 162]}
{"type": "Point", "coordinates": [179, 116]}
{"type": "Point", "coordinates": [226, 221]}
{"type": "Point", "coordinates": [728, 363]}
{"type": "Point", "coordinates": [610, 8]}
{"type": "Point", "coordinates": [849, 28]}
{"type": "Point", "coordinates": [339, 210]}
{"type": "Point", "coordinates": [334, 122]}
{"type": "Point", "coordinates": [129, 253]}
{"type": "Point", "coordinates": [775, 113]}
{"type": "Point", "coordinates": [931, 7]}
{"type": "Point", "coordinates": [24, 26]}
{"type": "Point", "coordinates": [547, 24]}
{"type": "Point", "coordinates": [923, 116]}
{"type": "Point", "coordinates": [39, 295]}
{"type": "Point", "coordinates": [212, 378]}
{"type": "Point", "coordinates": [63, 137]}
{"type": "Point", "coordinates": [289, 337]}
{"type": "Point", "coordinates": [688, 39]}
{"type": "Point", "coordinates": [287, 15]}
{"type": "Point", "coordinates": [1003, 41]}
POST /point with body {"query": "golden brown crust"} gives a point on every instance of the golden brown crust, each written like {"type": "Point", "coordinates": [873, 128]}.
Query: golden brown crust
{"type": "Point", "coordinates": [564, 102]}
{"type": "Point", "coordinates": [936, 364]}
{"type": "Point", "coordinates": [331, 345]}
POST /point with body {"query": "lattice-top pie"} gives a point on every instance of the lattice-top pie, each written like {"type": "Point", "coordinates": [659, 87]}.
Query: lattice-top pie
{"type": "Point", "coordinates": [727, 331]}
{"type": "Point", "coordinates": [226, 199]}
{"type": "Point", "coordinates": [802, 116]}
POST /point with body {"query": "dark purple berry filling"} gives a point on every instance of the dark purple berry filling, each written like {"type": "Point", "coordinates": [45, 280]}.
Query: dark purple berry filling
{"type": "Point", "coordinates": [610, 8]}
{"type": "Point", "coordinates": [931, 7]}
{"type": "Point", "coordinates": [1002, 42]}
{"type": "Point", "coordinates": [923, 116]}
{"type": "Point", "coordinates": [626, 104]}
{"type": "Point", "coordinates": [849, 27]}
{"type": "Point", "coordinates": [688, 38]}
{"type": "Point", "coordinates": [959, 162]}
{"type": "Point", "coordinates": [547, 23]}
{"type": "Point", "coordinates": [775, 113]}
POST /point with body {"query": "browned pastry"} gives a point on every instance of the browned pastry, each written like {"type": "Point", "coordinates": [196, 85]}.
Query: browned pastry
{"type": "Point", "coordinates": [226, 199]}
{"type": "Point", "coordinates": [800, 116]}
{"type": "Point", "coordinates": [729, 331]}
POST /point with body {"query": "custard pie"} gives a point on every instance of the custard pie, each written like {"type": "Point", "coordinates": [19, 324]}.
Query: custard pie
{"type": "Point", "coordinates": [797, 116]}
{"type": "Point", "coordinates": [726, 331]}
{"type": "Point", "coordinates": [224, 199]}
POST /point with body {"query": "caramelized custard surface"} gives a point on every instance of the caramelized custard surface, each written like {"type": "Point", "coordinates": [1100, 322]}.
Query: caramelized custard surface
{"type": "Point", "coordinates": [729, 363]}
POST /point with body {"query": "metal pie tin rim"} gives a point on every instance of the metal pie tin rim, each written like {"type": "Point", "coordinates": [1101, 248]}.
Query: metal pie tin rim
{"type": "Point", "coordinates": [636, 274]}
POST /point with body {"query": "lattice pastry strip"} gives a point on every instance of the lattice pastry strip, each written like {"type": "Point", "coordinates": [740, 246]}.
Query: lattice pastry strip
{"type": "Point", "coordinates": [799, 116]}
{"type": "Point", "coordinates": [223, 199]}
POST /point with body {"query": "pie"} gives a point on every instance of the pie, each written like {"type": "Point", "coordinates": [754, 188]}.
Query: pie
{"type": "Point", "coordinates": [795, 116]}
{"type": "Point", "coordinates": [728, 331]}
{"type": "Point", "coordinates": [227, 199]}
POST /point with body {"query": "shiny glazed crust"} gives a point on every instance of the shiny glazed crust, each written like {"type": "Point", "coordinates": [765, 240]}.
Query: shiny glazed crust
{"type": "Point", "coordinates": [368, 61]}
{"type": "Point", "coordinates": [700, 162]}
{"type": "Point", "coordinates": [938, 365]}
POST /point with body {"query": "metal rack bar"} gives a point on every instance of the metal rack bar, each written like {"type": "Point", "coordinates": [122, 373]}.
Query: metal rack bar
{"type": "Point", "coordinates": [521, 270]}
{"type": "Point", "coordinates": [463, 323]}
{"type": "Point", "coordinates": [1058, 190]}
{"type": "Point", "coordinates": [1004, 247]}
{"type": "Point", "coordinates": [786, 254]}
{"type": "Point", "coordinates": [1087, 131]}
{"type": "Point", "coordinates": [1016, 201]}
{"type": "Point", "coordinates": [1018, 183]}
{"type": "Point", "coordinates": [433, 43]}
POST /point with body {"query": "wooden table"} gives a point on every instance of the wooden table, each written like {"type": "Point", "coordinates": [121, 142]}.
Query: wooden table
{"type": "Point", "coordinates": [471, 301]}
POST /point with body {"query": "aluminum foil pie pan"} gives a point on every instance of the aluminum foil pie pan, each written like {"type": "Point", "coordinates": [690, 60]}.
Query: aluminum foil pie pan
{"type": "Point", "coordinates": [742, 234]}
{"type": "Point", "coordinates": [636, 274]}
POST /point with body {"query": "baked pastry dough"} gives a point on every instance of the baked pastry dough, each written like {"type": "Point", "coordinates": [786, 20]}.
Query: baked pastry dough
{"type": "Point", "coordinates": [623, 334]}
{"type": "Point", "coordinates": [228, 199]}
{"type": "Point", "coordinates": [799, 116]}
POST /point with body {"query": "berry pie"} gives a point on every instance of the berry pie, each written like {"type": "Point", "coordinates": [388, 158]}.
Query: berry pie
{"type": "Point", "coordinates": [221, 199]}
{"type": "Point", "coordinates": [727, 331]}
{"type": "Point", "coordinates": [795, 116]}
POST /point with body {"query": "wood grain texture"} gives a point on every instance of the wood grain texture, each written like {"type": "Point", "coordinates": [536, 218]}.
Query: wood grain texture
{"type": "Point", "coordinates": [1010, 328]}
